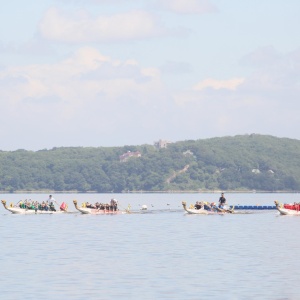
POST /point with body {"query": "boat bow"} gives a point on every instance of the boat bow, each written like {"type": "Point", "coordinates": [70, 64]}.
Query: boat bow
{"type": "Point", "coordinates": [286, 211]}
{"type": "Point", "coordinates": [4, 204]}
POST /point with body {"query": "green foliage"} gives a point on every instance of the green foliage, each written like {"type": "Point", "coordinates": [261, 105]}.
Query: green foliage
{"type": "Point", "coordinates": [247, 162]}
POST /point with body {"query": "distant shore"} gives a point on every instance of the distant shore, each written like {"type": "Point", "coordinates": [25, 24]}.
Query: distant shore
{"type": "Point", "coordinates": [153, 192]}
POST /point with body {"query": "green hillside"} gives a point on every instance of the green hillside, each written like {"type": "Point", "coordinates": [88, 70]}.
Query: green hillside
{"type": "Point", "coordinates": [246, 162]}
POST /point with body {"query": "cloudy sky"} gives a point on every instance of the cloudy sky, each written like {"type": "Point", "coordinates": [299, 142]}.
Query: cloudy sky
{"type": "Point", "coordinates": [130, 72]}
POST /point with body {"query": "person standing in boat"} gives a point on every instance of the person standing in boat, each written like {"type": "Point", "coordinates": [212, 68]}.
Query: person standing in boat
{"type": "Point", "coordinates": [113, 204]}
{"type": "Point", "coordinates": [222, 201]}
{"type": "Point", "coordinates": [50, 202]}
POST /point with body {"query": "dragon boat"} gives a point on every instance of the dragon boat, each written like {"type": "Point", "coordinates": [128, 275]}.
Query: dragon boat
{"type": "Point", "coordinates": [202, 211]}
{"type": "Point", "coordinates": [94, 211]}
{"type": "Point", "coordinates": [25, 211]}
{"type": "Point", "coordinates": [288, 209]}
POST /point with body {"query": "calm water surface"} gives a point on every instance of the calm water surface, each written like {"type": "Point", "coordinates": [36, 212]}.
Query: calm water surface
{"type": "Point", "coordinates": [161, 254]}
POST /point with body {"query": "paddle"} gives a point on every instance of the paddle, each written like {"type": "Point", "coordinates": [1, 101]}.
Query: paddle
{"type": "Point", "coordinates": [17, 203]}
{"type": "Point", "coordinates": [225, 210]}
{"type": "Point", "coordinates": [59, 205]}
{"type": "Point", "coordinates": [125, 209]}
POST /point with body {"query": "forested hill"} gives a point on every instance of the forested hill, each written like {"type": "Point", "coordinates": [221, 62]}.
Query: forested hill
{"type": "Point", "coordinates": [246, 162]}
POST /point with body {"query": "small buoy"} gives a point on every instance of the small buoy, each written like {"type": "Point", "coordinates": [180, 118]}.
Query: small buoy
{"type": "Point", "coordinates": [144, 207]}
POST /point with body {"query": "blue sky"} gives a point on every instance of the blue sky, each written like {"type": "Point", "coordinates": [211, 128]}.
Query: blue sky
{"type": "Point", "coordinates": [130, 72]}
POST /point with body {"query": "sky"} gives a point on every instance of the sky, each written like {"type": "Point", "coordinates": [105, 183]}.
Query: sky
{"type": "Point", "coordinates": [106, 73]}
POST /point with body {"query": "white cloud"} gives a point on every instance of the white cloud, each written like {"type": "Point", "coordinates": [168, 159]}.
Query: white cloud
{"type": "Point", "coordinates": [60, 97]}
{"type": "Point", "coordinates": [187, 6]}
{"type": "Point", "coordinates": [273, 84]}
{"type": "Point", "coordinates": [173, 67]}
{"type": "Point", "coordinates": [72, 102]}
{"type": "Point", "coordinates": [33, 47]}
{"type": "Point", "coordinates": [266, 101]}
{"type": "Point", "coordinates": [81, 27]}
{"type": "Point", "coordinates": [93, 99]}
{"type": "Point", "coordinates": [230, 84]}
{"type": "Point", "coordinates": [274, 72]}
{"type": "Point", "coordinates": [95, 1]}
{"type": "Point", "coordinates": [261, 57]}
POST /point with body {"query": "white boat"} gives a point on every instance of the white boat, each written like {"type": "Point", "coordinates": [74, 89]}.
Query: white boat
{"type": "Point", "coordinates": [24, 211]}
{"type": "Point", "coordinates": [203, 211]}
{"type": "Point", "coordinates": [94, 211]}
{"type": "Point", "coordinates": [287, 211]}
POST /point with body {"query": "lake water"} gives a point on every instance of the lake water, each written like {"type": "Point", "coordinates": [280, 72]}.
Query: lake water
{"type": "Point", "coordinates": [161, 254]}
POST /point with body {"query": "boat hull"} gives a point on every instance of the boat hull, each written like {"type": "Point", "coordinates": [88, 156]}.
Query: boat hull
{"type": "Point", "coordinates": [288, 212]}
{"type": "Point", "coordinates": [93, 211]}
{"type": "Point", "coordinates": [22, 211]}
{"type": "Point", "coordinates": [203, 211]}
{"type": "Point", "coordinates": [285, 211]}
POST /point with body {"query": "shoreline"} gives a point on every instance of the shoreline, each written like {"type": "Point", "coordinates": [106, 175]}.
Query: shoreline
{"type": "Point", "coordinates": [154, 192]}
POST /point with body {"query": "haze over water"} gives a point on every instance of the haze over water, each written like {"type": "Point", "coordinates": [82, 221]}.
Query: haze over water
{"type": "Point", "coordinates": [160, 254]}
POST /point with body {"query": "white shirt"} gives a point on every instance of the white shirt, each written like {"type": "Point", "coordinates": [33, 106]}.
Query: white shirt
{"type": "Point", "coordinates": [51, 199]}
{"type": "Point", "coordinates": [113, 202]}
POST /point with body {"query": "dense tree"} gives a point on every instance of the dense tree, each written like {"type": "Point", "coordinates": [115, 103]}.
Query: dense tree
{"type": "Point", "coordinates": [250, 162]}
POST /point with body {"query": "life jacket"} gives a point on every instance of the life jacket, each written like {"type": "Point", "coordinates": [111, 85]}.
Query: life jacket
{"type": "Point", "coordinates": [63, 206]}
{"type": "Point", "coordinates": [294, 206]}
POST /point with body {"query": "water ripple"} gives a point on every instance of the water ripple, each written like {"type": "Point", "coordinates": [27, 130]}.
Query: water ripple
{"type": "Point", "coordinates": [149, 256]}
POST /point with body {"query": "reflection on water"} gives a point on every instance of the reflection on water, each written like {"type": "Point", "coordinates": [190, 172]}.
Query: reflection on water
{"type": "Point", "coordinates": [161, 254]}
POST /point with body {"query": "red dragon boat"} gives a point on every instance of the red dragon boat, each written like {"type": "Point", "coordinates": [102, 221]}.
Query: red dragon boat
{"type": "Point", "coordinates": [292, 209]}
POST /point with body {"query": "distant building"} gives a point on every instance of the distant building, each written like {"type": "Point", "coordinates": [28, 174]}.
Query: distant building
{"type": "Point", "coordinates": [124, 157]}
{"type": "Point", "coordinates": [161, 144]}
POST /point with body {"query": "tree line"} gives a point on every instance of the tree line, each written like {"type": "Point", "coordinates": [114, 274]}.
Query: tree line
{"type": "Point", "coordinates": [244, 162]}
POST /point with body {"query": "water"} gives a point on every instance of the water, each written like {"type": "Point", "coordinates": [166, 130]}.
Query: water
{"type": "Point", "coordinates": [160, 254]}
